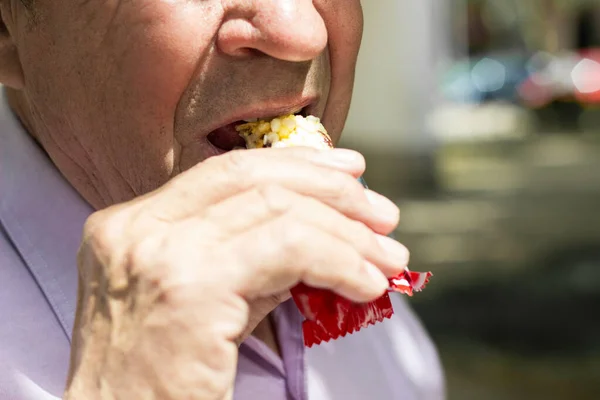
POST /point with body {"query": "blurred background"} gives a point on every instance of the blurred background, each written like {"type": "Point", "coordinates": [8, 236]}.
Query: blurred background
{"type": "Point", "coordinates": [481, 118]}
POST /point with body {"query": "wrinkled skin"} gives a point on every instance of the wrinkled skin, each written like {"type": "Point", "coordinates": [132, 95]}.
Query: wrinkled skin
{"type": "Point", "coordinates": [121, 95]}
{"type": "Point", "coordinates": [146, 78]}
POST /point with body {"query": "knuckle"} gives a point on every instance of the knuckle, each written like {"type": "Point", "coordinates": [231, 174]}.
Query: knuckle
{"type": "Point", "coordinates": [178, 187]}
{"type": "Point", "coordinates": [292, 235]}
{"type": "Point", "coordinates": [276, 199]}
{"type": "Point", "coordinates": [344, 266]}
{"type": "Point", "coordinates": [339, 270]}
{"type": "Point", "coordinates": [294, 241]}
{"type": "Point", "coordinates": [98, 227]}
{"type": "Point", "coordinates": [336, 282]}
{"type": "Point", "coordinates": [352, 262]}
{"type": "Point", "coordinates": [345, 187]}
{"type": "Point", "coordinates": [236, 162]}
{"type": "Point", "coordinates": [361, 235]}
{"type": "Point", "coordinates": [102, 232]}
{"type": "Point", "coordinates": [93, 222]}
{"type": "Point", "coordinates": [143, 253]}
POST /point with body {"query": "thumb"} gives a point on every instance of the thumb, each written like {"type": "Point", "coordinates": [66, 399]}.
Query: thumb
{"type": "Point", "coordinates": [259, 309]}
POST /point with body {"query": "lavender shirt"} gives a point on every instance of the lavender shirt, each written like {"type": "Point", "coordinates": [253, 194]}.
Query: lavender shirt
{"type": "Point", "coordinates": [41, 218]}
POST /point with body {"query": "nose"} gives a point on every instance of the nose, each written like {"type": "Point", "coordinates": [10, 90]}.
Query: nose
{"type": "Point", "coordinates": [290, 30]}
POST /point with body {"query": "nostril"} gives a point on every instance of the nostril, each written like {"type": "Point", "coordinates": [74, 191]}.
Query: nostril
{"type": "Point", "coordinates": [242, 52]}
{"type": "Point", "coordinates": [249, 51]}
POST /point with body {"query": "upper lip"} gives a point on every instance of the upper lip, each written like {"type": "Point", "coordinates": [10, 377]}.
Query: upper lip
{"type": "Point", "coordinates": [268, 110]}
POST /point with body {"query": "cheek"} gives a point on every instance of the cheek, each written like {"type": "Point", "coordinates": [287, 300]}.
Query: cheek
{"type": "Point", "coordinates": [115, 81]}
{"type": "Point", "coordinates": [344, 21]}
{"type": "Point", "coordinates": [157, 62]}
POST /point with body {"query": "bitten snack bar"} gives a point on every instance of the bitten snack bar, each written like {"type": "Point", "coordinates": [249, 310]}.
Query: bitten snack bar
{"type": "Point", "coordinates": [286, 131]}
{"type": "Point", "coordinates": [328, 316]}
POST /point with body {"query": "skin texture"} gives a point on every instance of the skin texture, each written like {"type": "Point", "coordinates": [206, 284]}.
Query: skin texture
{"type": "Point", "coordinates": [147, 78]}
{"type": "Point", "coordinates": [121, 95]}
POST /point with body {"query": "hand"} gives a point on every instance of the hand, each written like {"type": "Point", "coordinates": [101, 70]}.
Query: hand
{"type": "Point", "coordinates": [172, 282]}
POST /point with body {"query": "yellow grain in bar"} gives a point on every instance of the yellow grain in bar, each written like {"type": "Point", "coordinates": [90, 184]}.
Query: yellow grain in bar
{"type": "Point", "coordinates": [285, 131]}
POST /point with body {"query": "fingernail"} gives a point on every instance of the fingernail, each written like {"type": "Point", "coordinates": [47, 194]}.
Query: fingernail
{"type": "Point", "coordinates": [396, 251]}
{"type": "Point", "coordinates": [343, 158]}
{"type": "Point", "coordinates": [383, 206]}
{"type": "Point", "coordinates": [380, 282]}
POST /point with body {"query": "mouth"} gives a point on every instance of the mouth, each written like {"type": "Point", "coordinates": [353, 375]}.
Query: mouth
{"type": "Point", "coordinates": [226, 138]}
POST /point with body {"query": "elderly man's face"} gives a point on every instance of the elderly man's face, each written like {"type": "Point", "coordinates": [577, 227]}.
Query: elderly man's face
{"type": "Point", "coordinates": [124, 93]}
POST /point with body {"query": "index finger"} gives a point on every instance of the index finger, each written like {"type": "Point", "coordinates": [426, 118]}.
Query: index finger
{"type": "Point", "coordinates": [238, 172]}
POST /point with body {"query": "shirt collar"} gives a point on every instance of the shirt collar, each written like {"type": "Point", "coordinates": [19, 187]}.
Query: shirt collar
{"type": "Point", "coordinates": [42, 214]}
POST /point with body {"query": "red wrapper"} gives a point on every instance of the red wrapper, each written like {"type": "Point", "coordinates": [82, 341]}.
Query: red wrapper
{"type": "Point", "coordinates": [329, 316]}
